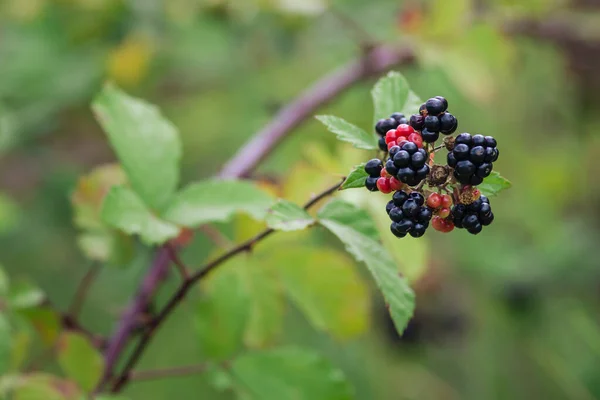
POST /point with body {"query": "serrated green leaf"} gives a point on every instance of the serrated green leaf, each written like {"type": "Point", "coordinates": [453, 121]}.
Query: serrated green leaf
{"type": "Point", "coordinates": [325, 286]}
{"type": "Point", "coordinates": [23, 294]}
{"type": "Point", "coordinates": [494, 184]}
{"type": "Point", "coordinates": [223, 311]}
{"type": "Point", "coordinates": [349, 215]}
{"type": "Point", "coordinates": [5, 344]}
{"type": "Point", "coordinates": [124, 210]}
{"type": "Point", "coordinates": [348, 132]}
{"type": "Point", "coordinates": [356, 178]}
{"type": "Point", "coordinates": [340, 218]}
{"type": "Point", "coordinates": [79, 360]}
{"type": "Point", "coordinates": [44, 386]}
{"type": "Point", "coordinates": [287, 216]}
{"type": "Point", "coordinates": [290, 373]}
{"type": "Point", "coordinates": [146, 143]}
{"type": "Point", "coordinates": [392, 94]}
{"type": "Point", "coordinates": [214, 200]}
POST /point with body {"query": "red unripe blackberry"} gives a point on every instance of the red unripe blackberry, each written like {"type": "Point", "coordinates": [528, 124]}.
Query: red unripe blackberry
{"type": "Point", "coordinates": [434, 200]}
{"type": "Point", "coordinates": [383, 184]}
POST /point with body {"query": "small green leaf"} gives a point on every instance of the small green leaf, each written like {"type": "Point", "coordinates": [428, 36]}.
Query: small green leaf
{"type": "Point", "coordinates": [348, 132]}
{"type": "Point", "coordinates": [124, 210]}
{"type": "Point", "coordinates": [356, 178]}
{"type": "Point", "coordinates": [214, 200]}
{"type": "Point", "coordinates": [326, 287]}
{"type": "Point", "coordinates": [494, 184]}
{"type": "Point", "coordinates": [287, 216]}
{"type": "Point", "coordinates": [39, 386]}
{"type": "Point", "coordinates": [5, 344]}
{"type": "Point", "coordinates": [347, 214]}
{"type": "Point", "coordinates": [146, 143]}
{"type": "Point", "coordinates": [79, 360]}
{"type": "Point", "coordinates": [290, 373]}
{"type": "Point", "coordinates": [392, 94]}
{"type": "Point", "coordinates": [23, 294]}
{"type": "Point", "coordinates": [342, 219]}
{"type": "Point", "coordinates": [45, 321]}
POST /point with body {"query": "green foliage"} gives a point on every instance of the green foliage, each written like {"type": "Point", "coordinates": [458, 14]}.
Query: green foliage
{"type": "Point", "coordinates": [147, 144]}
{"type": "Point", "coordinates": [4, 283]}
{"type": "Point", "coordinates": [348, 132]}
{"type": "Point", "coordinates": [325, 286]}
{"type": "Point", "coordinates": [123, 209]}
{"type": "Point", "coordinates": [494, 184]}
{"type": "Point", "coordinates": [9, 214]}
{"type": "Point", "coordinates": [392, 94]}
{"type": "Point", "coordinates": [24, 294]}
{"type": "Point", "coordinates": [287, 216]}
{"type": "Point", "coordinates": [356, 178]}
{"type": "Point", "coordinates": [79, 360]}
{"type": "Point", "coordinates": [289, 373]}
{"type": "Point", "coordinates": [44, 386]}
{"type": "Point", "coordinates": [344, 221]}
{"type": "Point", "coordinates": [215, 200]}
{"type": "Point", "coordinates": [46, 323]}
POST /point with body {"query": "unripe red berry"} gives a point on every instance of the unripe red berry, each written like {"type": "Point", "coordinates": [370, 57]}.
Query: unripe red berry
{"type": "Point", "coordinates": [384, 173]}
{"type": "Point", "coordinates": [416, 139]}
{"type": "Point", "coordinates": [438, 224]}
{"type": "Point", "coordinates": [395, 184]}
{"type": "Point", "coordinates": [449, 226]}
{"type": "Point", "coordinates": [434, 200]}
{"type": "Point", "coordinates": [401, 140]}
{"type": "Point", "coordinates": [404, 130]}
{"type": "Point", "coordinates": [443, 212]}
{"type": "Point", "coordinates": [391, 144]}
{"type": "Point", "coordinates": [390, 136]}
{"type": "Point", "coordinates": [446, 201]}
{"type": "Point", "coordinates": [383, 184]}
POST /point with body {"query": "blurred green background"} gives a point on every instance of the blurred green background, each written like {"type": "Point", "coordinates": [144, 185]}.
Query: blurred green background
{"type": "Point", "coordinates": [509, 314]}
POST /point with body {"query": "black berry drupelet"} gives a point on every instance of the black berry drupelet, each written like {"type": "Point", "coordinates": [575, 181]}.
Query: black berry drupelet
{"type": "Point", "coordinates": [411, 163]}
{"type": "Point", "coordinates": [472, 158]}
{"type": "Point", "coordinates": [417, 121]}
{"type": "Point", "coordinates": [384, 125]}
{"type": "Point", "coordinates": [400, 118]}
{"type": "Point", "coordinates": [473, 217]}
{"type": "Point", "coordinates": [373, 169]}
{"type": "Point", "coordinates": [409, 215]}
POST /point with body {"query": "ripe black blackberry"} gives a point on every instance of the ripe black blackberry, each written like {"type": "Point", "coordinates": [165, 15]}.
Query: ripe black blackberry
{"type": "Point", "coordinates": [434, 119]}
{"type": "Point", "coordinates": [373, 169]}
{"type": "Point", "coordinates": [473, 217]}
{"type": "Point", "coordinates": [409, 214]}
{"type": "Point", "coordinates": [385, 125]}
{"type": "Point", "coordinates": [472, 158]}
{"type": "Point", "coordinates": [411, 163]}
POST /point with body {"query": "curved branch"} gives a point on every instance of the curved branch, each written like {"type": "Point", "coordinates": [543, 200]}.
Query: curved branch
{"type": "Point", "coordinates": [377, 61]}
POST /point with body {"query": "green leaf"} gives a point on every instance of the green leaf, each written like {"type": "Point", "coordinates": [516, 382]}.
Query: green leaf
{"type": "Point", "coordinates": [39, 386]}
{"type": "Point", "coordinates": [287, 216]}
{"type": "Point", "coordinates": [356, 178]}
{"type": "Point", "coordinates": [266, 304]}
{"type": "Point", "coordinates": [290, 373]}
{"type": "Point", "coordinates": [349, 215]}
{"type": "Point", "coordinates": [147, 144]}
{"type": "Point", "coordinates": [214, 200]}
{"type": "Point", "coordinates": [494, 184]}
{"type": "Point", "coordinates": [341, 219]}
{"type": "Point", "coordinates": [23, 294]}
{"type": "Point", "coordinates": [222, 312]}
{"type": "Point", "coordinates": [5, 344]}
{"type": "Point", "coordinates": [124, 210]}
{"type": "Point", "coordinates": [79, 360]}
{"type": "Point", "coordinates": [108, 397]}
{"type": "Point", "coordinates": [325, 286]}
{"type": "Point", "coordinates": [45, 321]}
{"type": "Point", "coordinates": [348, 132]}
{"type": "Point", "coordinates": [392, 94]}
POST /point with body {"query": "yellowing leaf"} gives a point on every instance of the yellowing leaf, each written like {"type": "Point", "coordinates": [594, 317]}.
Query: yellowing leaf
{"type": "Point", "coordinates": [128, 63]}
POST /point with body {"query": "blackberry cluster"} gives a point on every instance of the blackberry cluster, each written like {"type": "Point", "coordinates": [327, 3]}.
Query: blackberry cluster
{"type": "Point", "coordinates": [473, 217]}
{"type": "Point", "coordinates": [433, 119]}
{"type": "Point", "coordinates": [408, 163]}
{"type": "Point", "coordinates": [472, 158]}
{"type": "Point", "coordinates": [383, 126]}
{"type": "Point", "coordinates": [409, 214]}
{"type": "Point", "coordinates": [453, 199]}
